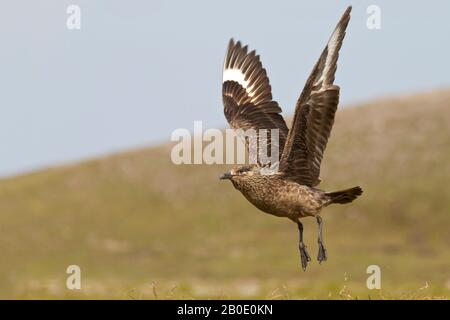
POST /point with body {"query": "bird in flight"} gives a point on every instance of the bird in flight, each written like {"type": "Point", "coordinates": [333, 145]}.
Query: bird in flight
{"type": "Point", "coordinates": [292, 190]}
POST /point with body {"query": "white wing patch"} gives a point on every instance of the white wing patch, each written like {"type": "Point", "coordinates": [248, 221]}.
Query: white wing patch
{"type": "Point", "coordinates": [238, 76]}
{"type": "Point", "coordinates": [331, 50]}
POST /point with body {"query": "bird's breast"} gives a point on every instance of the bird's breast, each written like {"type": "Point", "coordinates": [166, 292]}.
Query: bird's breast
{"type": "Point", "coordinates": [278, 197]}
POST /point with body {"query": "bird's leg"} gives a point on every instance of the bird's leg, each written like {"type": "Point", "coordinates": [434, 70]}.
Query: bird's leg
{"type": "Point", "coordinates": [303, 253]}
{"type": "Point", "coordinates": [322, 256]}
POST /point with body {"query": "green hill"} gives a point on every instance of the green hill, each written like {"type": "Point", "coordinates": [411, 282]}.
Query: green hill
{"type": "Point", "coordinates": [142, 227]}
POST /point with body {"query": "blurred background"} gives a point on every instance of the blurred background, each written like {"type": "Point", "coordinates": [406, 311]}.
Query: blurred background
{"type": "Point", "coordinates": [85, 171]}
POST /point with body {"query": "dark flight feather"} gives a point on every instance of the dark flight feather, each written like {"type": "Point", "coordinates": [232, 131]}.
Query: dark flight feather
{"type": "Point", "coordinates": [314, 115]}
{"type": "Point", "coordinates": [247, 95]}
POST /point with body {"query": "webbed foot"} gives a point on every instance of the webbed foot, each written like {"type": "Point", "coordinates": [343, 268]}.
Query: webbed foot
{"type": "Point", "coordinates": [304, 256]}
{"type": "Point", "coordinates": [322, 255]}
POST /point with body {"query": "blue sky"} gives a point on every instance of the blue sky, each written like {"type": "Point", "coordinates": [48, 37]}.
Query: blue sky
{"type": "Point", "coordinates": [139, 69]}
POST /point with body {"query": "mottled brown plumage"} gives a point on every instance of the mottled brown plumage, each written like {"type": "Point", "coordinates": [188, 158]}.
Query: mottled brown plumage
{"type": "Point", "coordinates": [291, 191]}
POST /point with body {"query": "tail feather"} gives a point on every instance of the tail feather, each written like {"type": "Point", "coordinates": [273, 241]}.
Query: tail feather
{"type": "Point", "coordinates": [344, 196]}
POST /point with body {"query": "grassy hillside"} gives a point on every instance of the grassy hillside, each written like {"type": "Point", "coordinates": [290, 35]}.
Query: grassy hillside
{"type": "Point", "coordinates": [141, 227]}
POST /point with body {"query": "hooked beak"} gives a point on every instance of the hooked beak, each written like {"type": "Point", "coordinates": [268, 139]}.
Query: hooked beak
{"type": "Point", "coordinates": [225, 176]}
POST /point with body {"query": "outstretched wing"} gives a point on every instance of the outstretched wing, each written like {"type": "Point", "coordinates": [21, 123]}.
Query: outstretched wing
{"type": "Point", "coordinates": [314, 115]}
{"type": "Point", "coordinates": [247, 96]}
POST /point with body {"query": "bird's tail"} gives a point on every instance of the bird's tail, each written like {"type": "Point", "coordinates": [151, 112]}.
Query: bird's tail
{"type": "Point", "coordinates": [344, 196]}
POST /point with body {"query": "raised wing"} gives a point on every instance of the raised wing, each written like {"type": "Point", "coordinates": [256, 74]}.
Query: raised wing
{"type": "Point", "coordinates": [247, 96]}
{"type": "Point", "coordinates": [314, 115]}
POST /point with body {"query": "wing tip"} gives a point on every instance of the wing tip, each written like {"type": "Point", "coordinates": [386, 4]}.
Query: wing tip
{"type": "Point", "coordinates": [345, 18]}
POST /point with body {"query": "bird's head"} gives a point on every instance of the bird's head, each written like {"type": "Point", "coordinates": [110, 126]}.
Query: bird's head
{"type": "Point", "coordinates": [238, 172]}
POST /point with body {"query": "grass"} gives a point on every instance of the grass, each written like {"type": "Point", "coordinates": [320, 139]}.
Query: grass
{"type": "Point", "coordinates": [141, 227]}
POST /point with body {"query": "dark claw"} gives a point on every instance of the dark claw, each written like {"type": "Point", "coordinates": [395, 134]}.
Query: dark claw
{"type": "Point", "coordinates": [305, 258]}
